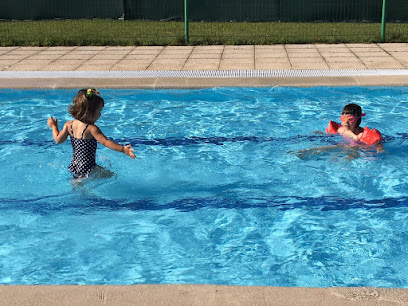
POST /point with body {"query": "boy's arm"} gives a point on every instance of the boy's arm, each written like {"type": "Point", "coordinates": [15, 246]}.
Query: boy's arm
{"type": "Point", "coordinates": [101, 138]}
{"type": "Point", "coordinates": [380, 147]}
{"type": "Point", "coordinates": [58, 136]}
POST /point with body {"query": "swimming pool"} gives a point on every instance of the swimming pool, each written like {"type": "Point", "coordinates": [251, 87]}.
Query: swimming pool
{"type": "Point", "coordinates": [215, 195]}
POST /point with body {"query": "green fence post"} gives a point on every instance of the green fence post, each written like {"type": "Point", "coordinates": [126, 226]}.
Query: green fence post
{"type": "Point", "coordinates": [186, 29]}
{"type": "Point", "coordinates": [383, 21]}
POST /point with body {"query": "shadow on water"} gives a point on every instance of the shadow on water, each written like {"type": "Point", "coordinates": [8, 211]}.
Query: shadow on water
{"type": "Point", "coordinates": [89, 205]}
{"type": "Point", "coordinates": [216, 140]}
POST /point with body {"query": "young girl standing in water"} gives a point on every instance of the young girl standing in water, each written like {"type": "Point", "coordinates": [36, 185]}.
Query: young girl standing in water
{"type": "Point", "coordinates": [86, 110]}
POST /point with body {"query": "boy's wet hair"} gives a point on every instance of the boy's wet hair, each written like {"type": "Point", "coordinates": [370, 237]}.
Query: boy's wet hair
{"type": "Point", "coordinates": [354, 110]}
{"type": "Point", "coordinates": [85, 104]}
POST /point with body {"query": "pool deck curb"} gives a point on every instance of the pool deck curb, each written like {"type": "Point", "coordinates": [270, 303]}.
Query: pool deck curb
{"type": "Point", "coordinates": [199, 295]}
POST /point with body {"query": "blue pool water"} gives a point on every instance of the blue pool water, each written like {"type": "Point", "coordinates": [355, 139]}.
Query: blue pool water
{"type": "Point", "coordinates": [215, 196]}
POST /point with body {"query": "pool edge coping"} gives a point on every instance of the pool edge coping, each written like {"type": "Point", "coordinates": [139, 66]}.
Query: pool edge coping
{"type": "Point", "coordinates": [202, 79]}
{"type": "Point", "coordinates": [198, 295]}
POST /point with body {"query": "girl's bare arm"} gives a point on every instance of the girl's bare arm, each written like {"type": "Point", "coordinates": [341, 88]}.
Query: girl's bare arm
{"type": "Point", "coordinates": [58, 136]}
{"type": "Point", "coordinates": [101, 138]}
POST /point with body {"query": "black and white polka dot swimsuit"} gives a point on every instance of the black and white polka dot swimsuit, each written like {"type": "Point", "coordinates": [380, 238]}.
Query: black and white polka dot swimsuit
{"type": "Point", "coordinates": [83, 155]}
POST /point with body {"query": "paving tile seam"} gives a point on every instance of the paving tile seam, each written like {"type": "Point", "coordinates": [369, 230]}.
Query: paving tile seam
{"type": "Point", "coordinates": [350, 49]}
{"type": "Point", "coordinates": [287, 56]}
{"type": "Point", "coordinates": [157, 55]}
{"type": "Point", "coordinates": [388, 53]}
{"type": "Point", "coordinates": [187, 58]}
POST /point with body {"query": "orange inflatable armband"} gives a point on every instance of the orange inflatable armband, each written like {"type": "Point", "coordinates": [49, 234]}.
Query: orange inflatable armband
{"type": "Point", "coordinates": [332, 127]}
{"type": "Point", "coordinates": [370, 137]}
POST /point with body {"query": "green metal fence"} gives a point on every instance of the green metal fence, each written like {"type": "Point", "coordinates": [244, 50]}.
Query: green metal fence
{"type": "Point", "coordinates": [176, 22]}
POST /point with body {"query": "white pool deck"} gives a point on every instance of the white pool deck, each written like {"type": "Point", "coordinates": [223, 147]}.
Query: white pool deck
{"type": "Point", "coordinates": [199, 67]}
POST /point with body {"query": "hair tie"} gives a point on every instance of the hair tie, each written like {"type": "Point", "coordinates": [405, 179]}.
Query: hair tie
{"type": "Point", "coordinates": [89, 93]}
{"type": "Point", "coordinates": [363, 114]}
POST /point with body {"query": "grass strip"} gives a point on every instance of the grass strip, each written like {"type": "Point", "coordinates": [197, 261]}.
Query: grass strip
{"type": "Point", "coordinates": [98, 32]}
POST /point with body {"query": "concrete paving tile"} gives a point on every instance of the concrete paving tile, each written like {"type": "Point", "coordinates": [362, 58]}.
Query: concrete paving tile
{"type": "Point", "coordinates": [270, 48]}
{"type": "Point", "coordinates": [367, 59]}
{"type": "Point", "coordinates": [337, 54]}
{"type": "Point", "coordinates": [196, 61]}
{"type": "Point", "coordinates": [145, 57]}
{"type": "Point", "coordinates": [303, 55]}
{"type": "Point", "coordinates": [309, 66]}
{"type": "Point", "coordinates": [33, 49]}
{"type": "Point", "coordinates": [41, 56]}
{"type": "Point", "coordinates": [53, 52]}
{"type": "Point", "coordinates": [239, 48]}
{"type": "Point", "coordinates": [346, 65]}
{"type": "Point", "coordinates": [201, 66]}
{"type": "Point", "coordinates": [173, 55]}
{"type": "Point", "coordinates": [8, 48]}
{"type": "Point", "coordinates": [84, 52]}
{"type": "Point", "coordinates": [8, 62]}
{"type": "Point", "coordinates": [144, 52]}
{"type": "Point", "coordinates": [341, 59]}
{"type": "Point", "coordinates": [206, 55]}
{"type": "Point", "coordinates": [372, 54]}
{"type": "Point", "coordinates": [399, 55]}
{"type": "Point", "coordinates": [119, 48]}
{"type": "Point", "coordinates": [17, 67]}
{"type": "Point", "coordinates": [384, 65]}
{"type": "Point", "coordinates": [300, 46]}
{"type": "Point", "coordinates": [98, 67]}
{"type": "Point", "coordinates": [353, 45]}
{"type": "Point", "coordinates": [35, 62]}
{"type": "Point", "coordinates": [20, 53]}
{"type": "Point", "coordinates": [271, 55]}
{"type": "Point", "coordinates": [71, 56]}
{"type": "Point", "coordinates": [13, 57]}
{"type": "Point", "coordinates": [155, 66]}
{"type": "Point", "coordinates": [135, 61]}
{"type": "Point", "coordinates": [395, 49]}
{"type": "Point", "coordinates": [233, 66]}
{"type": "Point", "coordinates": [330, 46]}
{"type": "Point", "coordinates": [272, 66]}
{"type": "Point", "coordinates": [68, 62]}
{"type": "Point", "coordinates": [392, 45]}
{"type": "Point", "coordinates": [54, 67]}
{"type": "Point", "coordinates": [144, 49]}
{"type": "Point", "coordinates": [169, 48]}
{"type": "Point", "coordinates": [129, 67]}
{"type": "Point", "coordinates": [102, 62]}
{"type": "Point", "coordinates": [272, 60]}
{"type": "Point", "coordinates": [104, 52]}
{"type": "Point", "coordinates": [90, 48]}
{"type": "Point", "coordinates": [101, 56]}
{"type": "Point", "coordinates": [208, 49]}
{"type": "Point", "coordinates": [306, 60]}
{"type": "Point", "coordinates": [238, 56]}
{"type": "Point", "coordinates": [60, 48]}
{"type": "Point", "coordinates": [173, 61]}
{"type": "Point", "coordinates": [366, 50]}
{"type": "Point", "coordinates": [238, 61]}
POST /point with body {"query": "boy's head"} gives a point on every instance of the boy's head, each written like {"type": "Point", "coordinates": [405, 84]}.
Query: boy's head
{"type": "Point", "coordinates": [86, 105]}
{"type": "Point", "coordinates": [353, 110]}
